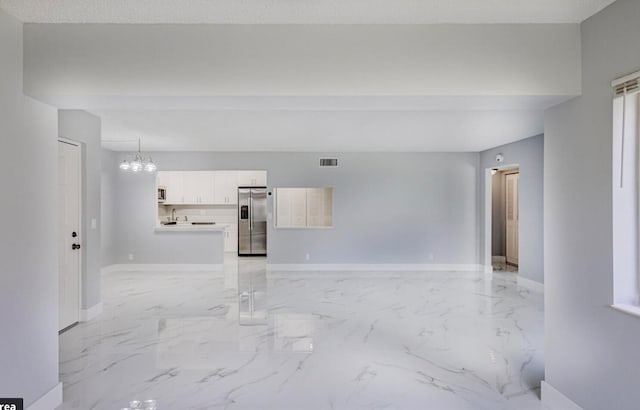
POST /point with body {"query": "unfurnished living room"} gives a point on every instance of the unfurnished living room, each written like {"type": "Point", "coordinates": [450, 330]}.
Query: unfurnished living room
{"type": "Point", "coordinates": [270, 205]}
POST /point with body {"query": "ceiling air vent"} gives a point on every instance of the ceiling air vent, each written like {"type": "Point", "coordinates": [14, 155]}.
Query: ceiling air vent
{"type": "Point", "coordinates": [328, 162]}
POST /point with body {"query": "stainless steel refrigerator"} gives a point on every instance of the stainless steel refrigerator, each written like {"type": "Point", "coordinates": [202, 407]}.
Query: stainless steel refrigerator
{"type": "Point", "coordinates": [252, 221]}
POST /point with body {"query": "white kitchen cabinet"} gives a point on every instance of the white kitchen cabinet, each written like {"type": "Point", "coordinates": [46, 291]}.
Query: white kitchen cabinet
{"type": "Point", "coordinates": [205, 187]}
{"type": "Point", "coordinates": [190, 191]}
{"type": "Point", "coordinates": [231, 238]}
{"type": "Point", "coordinates": [162, 178]}
{"type": "Point", "coordinates": [252, 178]}
{"type": "Point", "coordinates": [225, 187]}
{"type": "Point", "coordinates": [174, 182]}
{"type": "Point", "coordinates": [188, 187]}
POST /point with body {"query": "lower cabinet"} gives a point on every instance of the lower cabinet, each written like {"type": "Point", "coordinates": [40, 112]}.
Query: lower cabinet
{"type": "Point", "coordinates": [231, 238]}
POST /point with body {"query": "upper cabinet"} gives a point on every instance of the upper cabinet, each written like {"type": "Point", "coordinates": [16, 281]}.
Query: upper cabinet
{"type": "Point", "coordinates": [173, 182]}
{"type": "Point", "coordinates": [225, 187]}
{"type": "Point", "coordinates": [207, 187]}
{"type": "Point", "coordinates": [252, 178]}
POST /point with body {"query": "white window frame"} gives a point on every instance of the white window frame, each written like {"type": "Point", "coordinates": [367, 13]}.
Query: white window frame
{"type": "Point", "coordinates": [626, 194]}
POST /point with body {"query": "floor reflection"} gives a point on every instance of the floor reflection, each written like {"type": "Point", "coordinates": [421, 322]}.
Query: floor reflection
{"type": "Point", "coordinates": [248, 339]}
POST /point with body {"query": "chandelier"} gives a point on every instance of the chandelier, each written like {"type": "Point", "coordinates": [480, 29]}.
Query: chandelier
{"type": "Point", "coordinates": [138, 163]}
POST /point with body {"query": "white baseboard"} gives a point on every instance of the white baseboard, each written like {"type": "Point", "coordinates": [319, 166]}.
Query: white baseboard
{"type": "Point", "coordinates": [555, 400]}
{"type": "Point", "coordinates": [88, 314]}
{"type": "Point", "coordinates": [166, 267]}
{"type": "Point", "coordinates": [530, 284]}
{"type": "Point", "coordinates": [499, 259]}
{"type": "Point", "coordinates": [49, 401]}
{"type": "Point", "coordinates": [358, 267]}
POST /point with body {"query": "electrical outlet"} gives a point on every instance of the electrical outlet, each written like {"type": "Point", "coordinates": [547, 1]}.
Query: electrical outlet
{"type": "Point", "coordinates": [130, 256]}
{"type": "Point", "coordinates": [307, 256]}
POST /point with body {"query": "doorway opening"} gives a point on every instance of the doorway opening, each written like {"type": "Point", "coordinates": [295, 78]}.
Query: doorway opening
{"type": "Point", "coordinates": [505, 218]}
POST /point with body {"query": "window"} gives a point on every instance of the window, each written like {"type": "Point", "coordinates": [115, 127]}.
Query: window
{"type": "Point", "coordinates": [625, 192]}
{"type": "Point", "coordinates": [304, 207]}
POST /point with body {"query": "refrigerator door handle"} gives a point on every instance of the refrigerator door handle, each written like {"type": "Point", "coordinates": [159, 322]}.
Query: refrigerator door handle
{"type": "Point", "coordinates": [250, 213]}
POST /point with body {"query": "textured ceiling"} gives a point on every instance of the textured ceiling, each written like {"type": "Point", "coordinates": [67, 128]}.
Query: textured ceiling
{"type": "Point", "coordinates": [303, 11]}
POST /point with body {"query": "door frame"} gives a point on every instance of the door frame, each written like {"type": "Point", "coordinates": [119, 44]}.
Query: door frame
{"type": "Point", "coordinates": [488, 209]}
{"type": "Point", "coordinates": [80, 224]}
{"type": "Point", "coordinates": [506, 233]}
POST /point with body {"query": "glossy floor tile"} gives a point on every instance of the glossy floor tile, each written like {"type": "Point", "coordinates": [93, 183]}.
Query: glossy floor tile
{"type": "Point", "coordinates": [353, 340]}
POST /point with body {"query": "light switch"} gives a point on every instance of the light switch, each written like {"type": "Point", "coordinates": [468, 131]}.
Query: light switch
{"type": "Point", "coordinates": [94, 223]}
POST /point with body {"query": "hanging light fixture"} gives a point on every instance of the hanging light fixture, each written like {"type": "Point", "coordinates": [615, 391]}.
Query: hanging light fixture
{"type": "Point", "coordinates": [138, 163]}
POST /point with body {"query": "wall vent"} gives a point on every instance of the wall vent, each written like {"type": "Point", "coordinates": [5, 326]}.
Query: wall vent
{"type": "Point", "coordinates": [328, 162]}
{"type": "Point", "coordinates": [628, 87]}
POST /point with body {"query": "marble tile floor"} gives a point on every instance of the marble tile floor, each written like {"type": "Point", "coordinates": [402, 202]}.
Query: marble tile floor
{"type": "Point", "coordinates": [504, 267]}
{"type": "Point", "coordinates": [244, 339]}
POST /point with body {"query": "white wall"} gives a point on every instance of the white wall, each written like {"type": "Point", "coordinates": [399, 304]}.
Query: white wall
{"type": "Point", "coordinates": [28, 238]}
{"type": "Point", "coordinates": [591, 351]}
{"type": "Point", "coordinates": [388, 208]}
{"type": "Point", "coordinates": [83, 127]}
{"type": "Point", "coordinates": [292, 60]}
{"type": "Point", "coordinates": [528, 155]}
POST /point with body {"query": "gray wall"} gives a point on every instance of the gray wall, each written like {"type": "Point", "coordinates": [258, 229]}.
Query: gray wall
{"type": "Point", "coordinates": [528, 154]}
{"type": "Point", "coordinates": [108, 207]}
{"type": "Point", "coordinates": [28, 238]}
{"type": "Point", "coordinates": [591, 351]}
{"type": "Point", "coordinates": [133, 218]}
{"type": "Point", "coordinates": [388, 208]}
{"type": "Point", "coordinates": [83, 127]}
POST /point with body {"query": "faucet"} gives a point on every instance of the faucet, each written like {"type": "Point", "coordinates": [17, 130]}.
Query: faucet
{"type": "Point", "coordinates": [173, 215]}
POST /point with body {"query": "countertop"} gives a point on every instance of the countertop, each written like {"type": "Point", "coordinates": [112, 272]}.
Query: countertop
{"type": "Point", "coordinates": [187, 227]}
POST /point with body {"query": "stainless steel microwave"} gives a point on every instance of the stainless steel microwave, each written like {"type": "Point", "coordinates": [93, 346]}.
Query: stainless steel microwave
{"type": "Point", "coordinates": [162, 194]}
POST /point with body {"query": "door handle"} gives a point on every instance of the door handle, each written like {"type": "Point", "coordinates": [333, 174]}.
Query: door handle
{"type": "Point", "coordinates": [250, 214]}
{"type": "Point", "coordinates": [75, 246]}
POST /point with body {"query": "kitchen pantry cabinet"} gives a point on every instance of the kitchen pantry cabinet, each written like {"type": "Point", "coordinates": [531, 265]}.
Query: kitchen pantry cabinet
{"type": "Point", "coordinates": [252, 178]}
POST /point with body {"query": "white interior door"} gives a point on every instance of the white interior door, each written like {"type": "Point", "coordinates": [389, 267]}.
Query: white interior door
{"type": "Point", "coordinates": [512, 215]}
{"type": "Point", "coordinates": [68, 234]}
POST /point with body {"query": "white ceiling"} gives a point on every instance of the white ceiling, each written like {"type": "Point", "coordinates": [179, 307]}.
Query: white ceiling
{"type": "Point", "coordinates": [327, 131]}
{"type": "Point", "coordinates": [387, 88]}
{"type": "Point", "coordinates": [303, 11]}
{"type": "Point", "coordinates": [327, 124]}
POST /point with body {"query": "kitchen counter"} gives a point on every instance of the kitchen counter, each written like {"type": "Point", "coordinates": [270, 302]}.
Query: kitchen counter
{"type": "Point", "coordinates": [188, 227]}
